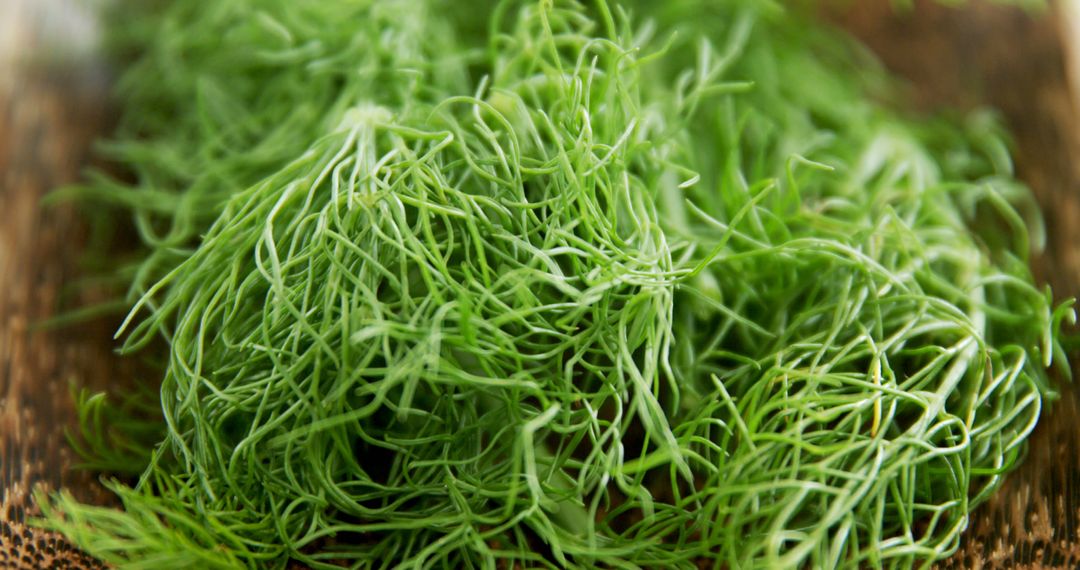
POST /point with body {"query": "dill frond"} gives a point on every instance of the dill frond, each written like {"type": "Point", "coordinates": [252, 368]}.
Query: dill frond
{"type": "Point", "coordinates": [557, 286]}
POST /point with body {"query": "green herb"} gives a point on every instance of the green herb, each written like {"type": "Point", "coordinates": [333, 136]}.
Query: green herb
{"type": "Point", "coordinates": [559, 286]}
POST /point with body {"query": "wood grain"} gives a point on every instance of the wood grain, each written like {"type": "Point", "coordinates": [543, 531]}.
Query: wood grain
{"type": "Point", "coordinates": [52, 106]}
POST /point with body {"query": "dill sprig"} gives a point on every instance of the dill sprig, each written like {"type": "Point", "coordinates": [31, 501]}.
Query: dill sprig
{"type": "Point", "coordinates": [554, 286]}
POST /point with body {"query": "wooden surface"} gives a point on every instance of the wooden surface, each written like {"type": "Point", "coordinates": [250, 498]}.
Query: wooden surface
{"type": "Point", "coordinates": [52, 105]}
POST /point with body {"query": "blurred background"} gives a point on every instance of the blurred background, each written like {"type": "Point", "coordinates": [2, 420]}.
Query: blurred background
{"type": "Point", "coordinates": [54, 102]}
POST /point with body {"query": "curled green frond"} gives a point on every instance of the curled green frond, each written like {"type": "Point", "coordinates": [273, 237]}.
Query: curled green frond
{"type": "Point", "coordinates": [564, 286]}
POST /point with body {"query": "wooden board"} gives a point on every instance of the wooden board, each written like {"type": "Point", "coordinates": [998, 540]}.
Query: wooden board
{"type": "Point", "coordinates": [53, 104]}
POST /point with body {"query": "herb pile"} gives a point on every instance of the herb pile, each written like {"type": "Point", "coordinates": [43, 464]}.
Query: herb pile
{"type": "Point", "coordinates": [629, 284]}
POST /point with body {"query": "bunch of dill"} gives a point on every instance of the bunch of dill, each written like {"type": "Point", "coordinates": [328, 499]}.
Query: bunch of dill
{"type": "Point", "coordinates": [630, 284]}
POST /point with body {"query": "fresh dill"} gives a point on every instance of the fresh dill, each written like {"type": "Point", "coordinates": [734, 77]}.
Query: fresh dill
{"type": "Point", "coordinates": [631, 284]}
